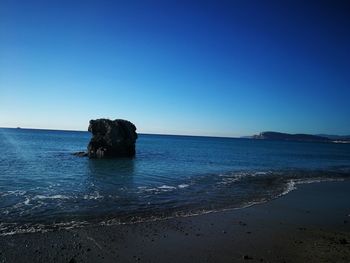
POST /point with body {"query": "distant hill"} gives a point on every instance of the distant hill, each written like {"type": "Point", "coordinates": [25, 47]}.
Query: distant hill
{"type": "Point", "coordinates": [291, 137]}
{"type": "Point", "coordinates": [336, 137]}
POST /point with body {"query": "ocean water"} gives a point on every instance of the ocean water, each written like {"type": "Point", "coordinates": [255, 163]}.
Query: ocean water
{"type": "Point", "coordinates": [44, 187]}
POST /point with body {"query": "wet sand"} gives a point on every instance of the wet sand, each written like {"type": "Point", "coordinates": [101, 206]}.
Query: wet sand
{"type": "Point", "coordinates": [310, 224]}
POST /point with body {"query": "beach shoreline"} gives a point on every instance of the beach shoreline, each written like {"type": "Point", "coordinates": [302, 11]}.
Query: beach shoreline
{"type": "Point", "coordinates": [311, 223]}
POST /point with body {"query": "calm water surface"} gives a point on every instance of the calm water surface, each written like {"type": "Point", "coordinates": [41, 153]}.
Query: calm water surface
{"type": "Point", "coordinates": [43, 186]}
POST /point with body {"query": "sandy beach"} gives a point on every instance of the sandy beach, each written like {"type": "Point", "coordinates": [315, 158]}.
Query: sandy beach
{"type": "Point", "coordinates": [174, 131]}
{"type": "Point", "coordinates": [310, 224]}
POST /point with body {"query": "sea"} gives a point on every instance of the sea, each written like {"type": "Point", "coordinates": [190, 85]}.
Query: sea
{"type": "Point", "coordinates": [44, 187]}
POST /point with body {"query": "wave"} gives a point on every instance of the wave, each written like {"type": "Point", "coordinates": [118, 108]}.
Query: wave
{"type": "Point", "coordinates": [166, 187]}
{"type": "Point", "coordinates": [162, 188]}
{"type": "Point", "coordinates": [51, 197]}
{"type": "Point", "coordinates": [185, 197]}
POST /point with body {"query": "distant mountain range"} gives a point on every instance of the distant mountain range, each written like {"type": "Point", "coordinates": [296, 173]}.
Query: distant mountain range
{"type": "Point", "coordinates": [269, 135]}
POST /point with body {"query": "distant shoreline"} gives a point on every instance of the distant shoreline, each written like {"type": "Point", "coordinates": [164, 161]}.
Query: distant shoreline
{"type": "Point", "coordinates": [279, 136]}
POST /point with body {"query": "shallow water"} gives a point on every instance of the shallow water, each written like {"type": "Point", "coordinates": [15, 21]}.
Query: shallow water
{"type": "Point", "coordinates": [44, 186]}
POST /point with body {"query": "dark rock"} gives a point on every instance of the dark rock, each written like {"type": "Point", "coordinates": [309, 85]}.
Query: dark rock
{"type": "Point", "coordinates": [112, 138]}
{"type": "Point", "coordinates": [246, 257]}
{"type": "Point", "coordinates": [242, 223]}
{"type": "Point", "coordinates": [343, 241]}
{"type": "Point", "coordinates": [81, 154]}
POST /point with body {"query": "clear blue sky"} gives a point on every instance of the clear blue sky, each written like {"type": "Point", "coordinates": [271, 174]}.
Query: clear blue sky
{"type": "Point", "coordinates": [225, 68]}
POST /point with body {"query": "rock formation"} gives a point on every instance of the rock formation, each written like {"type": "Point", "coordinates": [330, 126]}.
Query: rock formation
{"type": "Point", "coordinates": [81, 154]}
{"type": "Point", "coordinates": [111, 138]}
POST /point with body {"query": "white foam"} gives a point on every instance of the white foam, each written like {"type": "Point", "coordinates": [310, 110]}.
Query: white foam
{"type": "Point", "coordinates": [166, 187]}
{"type": "Point", "coordinates": [15, 192]}
{"type": "Point", "coordinates": [26, 202]}
{"type": "Point", "coordinates": [7, 229]}
{"type": "Point", "coordinates": [290, 187]}
{"type": "Point", "coordinates": [6, 212]}
{"type": "Point", "coordinates": [96, 195]}
{"type": "Point", "coordinates": [50, 197]}
{"type": "Point", "coordinates": [318, 180]}
{"type": "Point", "coordinates": [228, 180]}
{"type": "Point", "coordinates": [260, 173]}
{"type": "Point", "coordinates": [181, 186]}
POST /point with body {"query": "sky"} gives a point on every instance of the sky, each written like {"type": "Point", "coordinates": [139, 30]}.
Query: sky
{"type": "Point", "coordinates": [219, 68]}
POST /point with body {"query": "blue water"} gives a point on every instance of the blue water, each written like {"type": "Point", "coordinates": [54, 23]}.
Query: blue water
{"type": "Point", "coordinates": [43, 186]}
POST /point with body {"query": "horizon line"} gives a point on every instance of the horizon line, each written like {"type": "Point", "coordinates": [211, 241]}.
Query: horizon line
{"type": "Point", "coordinates": [188, 135]}
{"type": "Point", "coordinates": [144, 133]}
